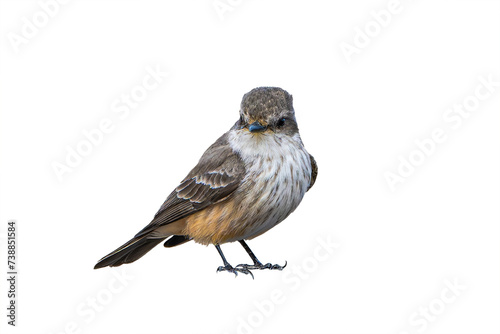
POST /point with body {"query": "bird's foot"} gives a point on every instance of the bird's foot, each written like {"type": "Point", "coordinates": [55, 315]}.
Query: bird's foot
{"type": "Point", "coordinates": [261, 266]}
{"type": "Point", "coordinates": [235, 271]}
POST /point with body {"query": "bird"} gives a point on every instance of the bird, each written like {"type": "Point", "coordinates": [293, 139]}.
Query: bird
{"type": "Point", "coordinates": [251, 179]}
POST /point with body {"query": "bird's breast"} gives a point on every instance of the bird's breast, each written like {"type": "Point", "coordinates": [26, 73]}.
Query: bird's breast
{"type": "Point", "coordinates": [278, 173]}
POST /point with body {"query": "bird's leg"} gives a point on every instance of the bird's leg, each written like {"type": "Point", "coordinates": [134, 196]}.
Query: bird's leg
{"type": "Point", "coordinates": [227, 267]}
{"type": "Point", "coordinates": [256, 263]}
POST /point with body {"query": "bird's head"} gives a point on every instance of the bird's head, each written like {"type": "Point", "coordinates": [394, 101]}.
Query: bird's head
{"type": "Point", "coordinates": [267, 110]}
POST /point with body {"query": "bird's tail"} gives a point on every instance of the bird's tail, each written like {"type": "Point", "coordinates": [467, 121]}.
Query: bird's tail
{"type": "Point", "coordinates": [129, 252]}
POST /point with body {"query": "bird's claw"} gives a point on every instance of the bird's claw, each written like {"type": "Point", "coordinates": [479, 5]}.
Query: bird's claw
{"type": "Point", "coordinates": [235, 270]}
{"type": "Point", "coordinates": [261, 266]}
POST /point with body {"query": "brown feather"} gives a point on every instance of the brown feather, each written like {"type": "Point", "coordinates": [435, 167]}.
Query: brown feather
{"type": "Point", "coordinates": [314, 173]}
{"type": "Point", "coordinates": [216, 176]}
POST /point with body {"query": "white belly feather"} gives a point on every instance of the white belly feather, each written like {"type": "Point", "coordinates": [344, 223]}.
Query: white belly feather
{"type": "Point", "coordinates": [278, 175]}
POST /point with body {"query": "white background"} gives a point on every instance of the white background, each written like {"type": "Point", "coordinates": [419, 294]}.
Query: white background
{"type": "Point", "coordinates": [397, 249]}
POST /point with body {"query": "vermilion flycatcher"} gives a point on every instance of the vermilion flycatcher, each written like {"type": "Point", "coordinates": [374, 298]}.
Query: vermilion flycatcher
{"type": "Point", "coordinates": [247, 182]}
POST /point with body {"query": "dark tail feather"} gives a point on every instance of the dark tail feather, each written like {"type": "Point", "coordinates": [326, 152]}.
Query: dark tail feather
{"type": "Point", "coordinates": [176, 240]}
{"type": "Point", "coordinates": [129, 252]}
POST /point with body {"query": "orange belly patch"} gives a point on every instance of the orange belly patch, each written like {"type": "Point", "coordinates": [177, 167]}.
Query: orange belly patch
{"type": "Point", "coordinates": [217, 224]}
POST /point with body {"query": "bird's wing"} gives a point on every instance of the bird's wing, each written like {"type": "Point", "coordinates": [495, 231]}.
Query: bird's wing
{"type": "Point", "coordinates": [216, 176]}
{"type": "Point", "coordinates": [314, 172]}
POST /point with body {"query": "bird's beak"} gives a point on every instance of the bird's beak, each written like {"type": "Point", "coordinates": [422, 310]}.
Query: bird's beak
{"type": "Point", "coordinates": [256, 127]}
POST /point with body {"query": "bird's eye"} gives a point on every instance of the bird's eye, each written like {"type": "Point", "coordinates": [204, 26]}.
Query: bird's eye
{"type": "Point", "coordinates": [281, 123]}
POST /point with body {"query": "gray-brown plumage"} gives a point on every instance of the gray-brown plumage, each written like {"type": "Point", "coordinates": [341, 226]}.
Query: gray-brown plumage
{"type": "Point", "coordinates": [248, 181]}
